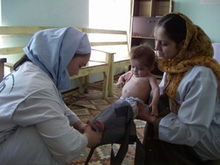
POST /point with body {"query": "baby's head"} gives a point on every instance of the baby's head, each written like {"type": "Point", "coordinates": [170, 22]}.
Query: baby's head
{"type": "Point", "coordinates": [142, 60]}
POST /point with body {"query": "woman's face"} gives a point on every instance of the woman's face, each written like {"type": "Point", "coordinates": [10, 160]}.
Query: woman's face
{"type": "Point", "coordinates": [78, 61]}
{"type": "Point", "coordinates": [164, 46]}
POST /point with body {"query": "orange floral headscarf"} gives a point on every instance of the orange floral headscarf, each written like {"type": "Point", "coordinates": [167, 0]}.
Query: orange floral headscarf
{"type": "Point", "coordinates": [197, 50]}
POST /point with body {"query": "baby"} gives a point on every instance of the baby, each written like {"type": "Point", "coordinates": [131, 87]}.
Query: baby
{"type": "Point", "coordinates": [139, 83]}
{"type": "Point", "coordinates": [137, 86]}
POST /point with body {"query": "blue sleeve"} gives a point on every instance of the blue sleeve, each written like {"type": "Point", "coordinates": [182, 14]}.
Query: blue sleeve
{"type": "Point", "coordinates": [196, 94]}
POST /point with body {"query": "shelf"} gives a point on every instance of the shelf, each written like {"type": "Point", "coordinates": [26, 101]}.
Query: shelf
{"type": "Point", "coordinates": [145, 16]}
{"type": "Point", "coordinates": [150, 8]}
{"type": "Point", "coordinates": [142, 8]}
{"type": "Point", "coordinates": [143, 27]}
{"type": "Point", "coordinates": [161, 7]}
{"type": "Point", "coordinates": [143, 37]}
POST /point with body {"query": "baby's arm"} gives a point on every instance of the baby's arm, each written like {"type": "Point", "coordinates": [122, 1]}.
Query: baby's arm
{"type": "Point", "coordinates": [122, 79]}
{"type": "Point", "coordinates": [155, 95]}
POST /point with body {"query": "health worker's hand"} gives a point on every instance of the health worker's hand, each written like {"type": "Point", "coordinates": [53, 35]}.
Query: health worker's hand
{"type": "Point", "coordinates": [80, 126]}
{"type": "Point", "coordinates": [94, 137]}
{"type": "Point", "coordinates": [145, 114]}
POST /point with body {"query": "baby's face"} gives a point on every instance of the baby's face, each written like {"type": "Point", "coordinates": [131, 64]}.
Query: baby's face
{"type": "Point", "coordinates": [139, 69]}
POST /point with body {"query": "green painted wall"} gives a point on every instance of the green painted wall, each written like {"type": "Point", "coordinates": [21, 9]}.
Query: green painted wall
{"type": "Point", "coordinates": [205, 13]}
{"type": "Point", "coordinates": [45, 12]}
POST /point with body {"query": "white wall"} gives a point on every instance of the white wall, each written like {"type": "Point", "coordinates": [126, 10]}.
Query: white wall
{"type": "Point", "coordinates": [0, 13]}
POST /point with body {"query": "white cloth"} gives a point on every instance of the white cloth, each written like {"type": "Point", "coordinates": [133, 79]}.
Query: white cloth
{"type": "Point", "coordinates": [133, 102]}
{"type": "Point", "coordinates": [197, 123]}
{"type": "Point", "coordinates": [216, 47]}
{"type": "Point", "coordinates": [34, 125]}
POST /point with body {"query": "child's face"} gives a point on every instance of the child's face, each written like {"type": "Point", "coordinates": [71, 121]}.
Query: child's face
{"type": "Point", "coordinates": [139, 69]}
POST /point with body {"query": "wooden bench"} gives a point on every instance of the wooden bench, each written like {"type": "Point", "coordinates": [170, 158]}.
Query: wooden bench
{"type": "Point", "coordinates": [114, 43]}
{"type": "Point", "coordinates": [108, 52]}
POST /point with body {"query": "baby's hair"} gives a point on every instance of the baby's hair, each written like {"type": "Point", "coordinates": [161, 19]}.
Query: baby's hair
{"type": "Point", "coordinates": [143, 52]}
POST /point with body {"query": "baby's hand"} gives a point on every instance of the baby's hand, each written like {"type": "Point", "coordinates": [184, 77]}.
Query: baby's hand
{"type": "Point", "coordinates": [119, 84]}
{"type": "Point", "coordinates": [144, 114]}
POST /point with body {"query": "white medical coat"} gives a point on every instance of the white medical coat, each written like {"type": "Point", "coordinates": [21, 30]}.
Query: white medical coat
{"type": "Point", "coordinates": [34, 121]}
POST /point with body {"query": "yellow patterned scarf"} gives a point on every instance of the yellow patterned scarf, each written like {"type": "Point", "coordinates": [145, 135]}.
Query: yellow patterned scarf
{"type": "Point", "coordinates": [197, 50]}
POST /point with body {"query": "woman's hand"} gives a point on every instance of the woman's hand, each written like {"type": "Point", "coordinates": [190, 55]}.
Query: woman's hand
{"type": "Point", "coordinates": [145, 114]}
{"type": "Point", "coordinates": [80, 126]}
{"type": "Point", "coordinates": [94, 138]}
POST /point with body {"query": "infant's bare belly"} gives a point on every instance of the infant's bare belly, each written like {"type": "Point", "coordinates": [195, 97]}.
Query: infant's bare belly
{"type": "Point", "coordinates": [142, 93]}
{"type": "Point", "coordinates": [136, 87]}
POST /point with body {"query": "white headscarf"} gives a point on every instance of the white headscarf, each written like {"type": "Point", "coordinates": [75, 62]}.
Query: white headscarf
{"type": "Point", "coordinates": [53, 49]}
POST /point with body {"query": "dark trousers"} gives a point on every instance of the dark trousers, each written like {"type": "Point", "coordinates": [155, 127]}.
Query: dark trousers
{"type": "Point", "coordinates": [160, 153]}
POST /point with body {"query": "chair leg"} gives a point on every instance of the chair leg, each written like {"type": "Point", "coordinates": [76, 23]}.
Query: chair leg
{"type": "Point", "coordinates": [105, 85]}
{"type": "Point", "coordinates": [110, 74]}
{"type": "Point", "coordinates": [83, 85]}
{"type": "Point", "coordinates": [110, 83]}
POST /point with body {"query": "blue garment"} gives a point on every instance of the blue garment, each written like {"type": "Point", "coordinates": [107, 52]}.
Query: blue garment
{"type": "Point", "coordinates": [197, 122]}
{"type": "Point", "coordinates": [53, 49]}
{"type": "Point", "coordinates": [35, 124]}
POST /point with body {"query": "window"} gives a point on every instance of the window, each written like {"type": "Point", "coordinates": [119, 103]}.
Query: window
{"type": "Point", "coordinates": [110, 14]}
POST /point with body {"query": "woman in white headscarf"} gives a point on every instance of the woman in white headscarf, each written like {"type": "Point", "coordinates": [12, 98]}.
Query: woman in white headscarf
{"type": "Point", "coordinates": [35, 124]}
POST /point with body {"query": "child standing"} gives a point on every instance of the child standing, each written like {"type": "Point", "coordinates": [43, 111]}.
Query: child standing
{"type": "Point", "coordinates": [139, 83]}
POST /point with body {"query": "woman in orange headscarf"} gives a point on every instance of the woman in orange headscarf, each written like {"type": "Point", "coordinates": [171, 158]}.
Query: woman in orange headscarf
{"type": "Point", "coordinates": [189, 133]}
